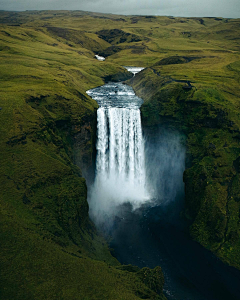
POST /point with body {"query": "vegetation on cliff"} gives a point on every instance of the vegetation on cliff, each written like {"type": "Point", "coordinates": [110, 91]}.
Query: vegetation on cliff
{"type": "Point", "coordinates": [208, 113]}
{"type": "Point", "coordinates": [50, 248]}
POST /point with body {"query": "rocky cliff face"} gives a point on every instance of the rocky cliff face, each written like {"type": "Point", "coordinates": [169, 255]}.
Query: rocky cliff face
{"type": "Point", "coordinates": [84, 140]}
{"type": "Point", "coordinates": [212, 174]}
{"type": "Point", "coordinates": [50, 249]}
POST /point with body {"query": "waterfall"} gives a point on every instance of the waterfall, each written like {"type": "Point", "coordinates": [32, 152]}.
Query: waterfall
{"type": "Point", "coordinates": [120, 162]}
{"type": "Point", "coordinates": [120, 151]}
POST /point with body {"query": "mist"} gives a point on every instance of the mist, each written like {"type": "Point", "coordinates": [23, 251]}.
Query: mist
{"type": "Point", "coordinates": [111, 201]}
{"type": "Point", "coordinates": [165, 163]}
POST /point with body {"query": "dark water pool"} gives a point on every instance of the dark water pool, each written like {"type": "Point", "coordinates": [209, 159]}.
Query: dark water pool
{"type": "Point", "coordinates": [145, 238]}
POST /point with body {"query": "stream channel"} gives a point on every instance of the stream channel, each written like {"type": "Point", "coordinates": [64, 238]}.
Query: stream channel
{"type": "Point", "coordinates": [137, 199]}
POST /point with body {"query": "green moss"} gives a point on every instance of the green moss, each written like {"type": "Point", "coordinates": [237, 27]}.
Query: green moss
{"type": "Point", "coordinates": [51, 250]}
{"type": "Point", "coordinates": [36, 268]}
{"type": "Point", "coordinates": [172, 60]}
{"type": "Point", "coordinates": [210, 121]}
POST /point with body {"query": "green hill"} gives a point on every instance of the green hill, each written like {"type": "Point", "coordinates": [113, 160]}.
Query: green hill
{"type": "Point", "coordinates": [49, 247]}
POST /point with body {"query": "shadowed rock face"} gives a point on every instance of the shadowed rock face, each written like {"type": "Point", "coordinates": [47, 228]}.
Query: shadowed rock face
{"type": "Point", "coordinates": [211, 180]}
{"type": "Point", "coordinates": [47, 64]}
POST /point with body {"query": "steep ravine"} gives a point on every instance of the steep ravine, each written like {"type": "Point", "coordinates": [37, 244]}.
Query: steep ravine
{"type": "Point", "coordinates": [212, 164]}
{"type": "Point", "coordinates": [156, 232]}
{"type": "Point", "coordinates": [51, 248]}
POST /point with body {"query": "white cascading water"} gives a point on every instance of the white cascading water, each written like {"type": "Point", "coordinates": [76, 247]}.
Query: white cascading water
{"type": "Point", "coordinates": [120, 152]}
{"type": "Point", "coordinates": [120, 163]}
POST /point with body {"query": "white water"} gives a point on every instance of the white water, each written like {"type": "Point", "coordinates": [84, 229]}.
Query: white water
{"type": "Point", "coordinates": [100, 58]}
{"type": "Point", "coordinates": [134, 70]}
{"type": "Point", "coordinates": [120, 163]}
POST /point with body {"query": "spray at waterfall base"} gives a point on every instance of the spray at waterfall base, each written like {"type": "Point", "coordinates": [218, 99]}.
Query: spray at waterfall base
{"type": "Point", "coordinates": [130, 172]}
{"type": "Point", "coordinates": [120, 165]}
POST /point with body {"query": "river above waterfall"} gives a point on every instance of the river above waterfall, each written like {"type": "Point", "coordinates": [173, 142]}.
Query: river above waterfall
{"type": "Point", "coordinates": [137, 200]}
{"type": "Point", "coordinates": [115, 95]}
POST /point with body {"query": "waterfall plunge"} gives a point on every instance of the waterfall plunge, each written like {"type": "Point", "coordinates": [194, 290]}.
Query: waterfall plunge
{"type": "Point", "coordinates": [120, 165]}
{"type": "Point", "coordinates": [120, 153]}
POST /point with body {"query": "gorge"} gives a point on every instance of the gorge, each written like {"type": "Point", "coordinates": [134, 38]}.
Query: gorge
{"type": "Point", "coordinates": [179, 117]}
{"type": "Point", "coordinates": [137, 200]}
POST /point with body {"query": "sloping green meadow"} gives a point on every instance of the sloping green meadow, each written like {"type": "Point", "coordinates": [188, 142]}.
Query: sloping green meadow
{"type": "Point", "coordinates": [49, 247]}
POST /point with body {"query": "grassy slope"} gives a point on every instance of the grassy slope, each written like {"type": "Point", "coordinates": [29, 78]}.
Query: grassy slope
{"type": "Point", "coordinates": [50, 248]}
{"type": "Point", "coordinates": [47, 64]}
{"type": "Point", "coordinates": [209, 115]}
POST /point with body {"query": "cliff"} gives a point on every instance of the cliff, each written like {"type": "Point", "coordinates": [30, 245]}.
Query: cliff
{"type": "Point", "coordinates": [209, 117]}
{"type": "Point", "coordinates": [50, 249]}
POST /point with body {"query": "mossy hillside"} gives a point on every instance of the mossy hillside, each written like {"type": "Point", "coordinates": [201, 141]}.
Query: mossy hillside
{"type": "Point", "coordinates": [37, 268]}
{"type": "Point", "coordinates": [51, 250]}
{"type": "Point", "coordinates": [152, 278]}
{"type": "Point", "coordinates": [44, 257]}
{"type": "Point", "coordinates": [209, 116]}
{"type": "Point", "coordinates": [159, 37]}
{"type": "Point", "coordinates": [117, 36]}
{"type": "Point", "coordinates": [47, 64]}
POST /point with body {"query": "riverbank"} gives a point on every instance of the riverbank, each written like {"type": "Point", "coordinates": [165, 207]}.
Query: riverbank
{"type": "Point", "coordinates": [155, 232]}
{"type": "Point", "coordinates": [49, 248]}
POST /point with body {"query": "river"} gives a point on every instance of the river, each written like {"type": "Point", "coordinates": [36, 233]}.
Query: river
{"type": "Point", "coordinates": [138, 198]}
